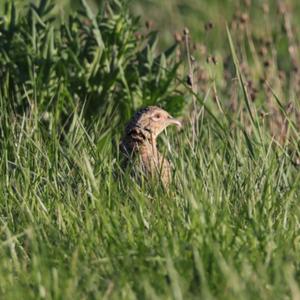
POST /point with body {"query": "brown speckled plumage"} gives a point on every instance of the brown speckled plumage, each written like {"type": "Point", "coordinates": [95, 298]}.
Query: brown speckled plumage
{"type": "Point", "coordinates": [139, 146]}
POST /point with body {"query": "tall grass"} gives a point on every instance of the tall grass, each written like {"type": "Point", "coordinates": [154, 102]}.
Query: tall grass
{"type": "Point", "coordinates": [72, 227]}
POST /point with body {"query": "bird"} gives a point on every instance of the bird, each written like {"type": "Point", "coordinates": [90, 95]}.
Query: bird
{"type": "Point", "coordinates": [139, 144]}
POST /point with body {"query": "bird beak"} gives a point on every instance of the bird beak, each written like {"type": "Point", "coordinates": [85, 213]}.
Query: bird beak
{"type": "Point", "coordinates": [173, 121]}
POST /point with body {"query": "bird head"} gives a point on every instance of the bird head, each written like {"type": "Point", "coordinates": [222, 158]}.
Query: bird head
{"type": "Point", "coordinates": [153, 120]}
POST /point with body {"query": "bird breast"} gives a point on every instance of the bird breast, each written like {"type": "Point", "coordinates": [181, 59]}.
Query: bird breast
{"type": "Point", "coordinates": [141, 151]}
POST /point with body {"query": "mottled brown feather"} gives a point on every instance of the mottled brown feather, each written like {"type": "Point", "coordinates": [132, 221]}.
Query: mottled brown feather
{"type": "Point", "coordinates": [139, 146]}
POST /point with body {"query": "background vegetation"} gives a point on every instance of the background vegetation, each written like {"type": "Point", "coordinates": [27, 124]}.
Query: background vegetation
{"type": "Point", "coordinates": [71, 75]}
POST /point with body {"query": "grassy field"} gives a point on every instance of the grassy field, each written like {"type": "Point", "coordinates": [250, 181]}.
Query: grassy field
{"type": "Point", "coordinates": [73, 227]}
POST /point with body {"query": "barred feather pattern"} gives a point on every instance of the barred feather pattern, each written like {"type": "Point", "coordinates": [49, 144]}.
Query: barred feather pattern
{"type": "Point", "coordinates": [139, 147]}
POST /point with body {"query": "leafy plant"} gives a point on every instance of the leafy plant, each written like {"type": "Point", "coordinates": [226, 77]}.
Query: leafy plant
{"type": "Point", "coordinates": [99, 62]}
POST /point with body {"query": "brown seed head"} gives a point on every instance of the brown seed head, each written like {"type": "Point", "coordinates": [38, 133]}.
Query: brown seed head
{"type": "Point", "coordinates": [208, 26]}
{"type": "Point", "coordinates": [177, 37]}
{"type": "Point", "coordinates": [149, 24]}
{"type": "Point", "coordinates": [186, 31]}
{"type": "Point", "coordinates": [244, 18]}
{"type": "Point", "coordinates": [263, 51]}
{"type": "Point", "coordinates": [266, 8]}
{"type": "Point", "coordinates": [248, 3]}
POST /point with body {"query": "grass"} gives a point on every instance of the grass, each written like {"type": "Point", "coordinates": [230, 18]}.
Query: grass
{"type": "Point", "coordinates": [72, 227]}
{"type": "Point", "coordinates": [227, 229]}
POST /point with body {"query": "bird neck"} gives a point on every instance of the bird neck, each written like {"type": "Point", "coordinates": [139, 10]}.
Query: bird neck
{"type": "Point", "coordinates": [148, 151]}
{"type": "Point", "coordinates": [142, 141]}
{"type": "Point", "coordinates": [149, 146]}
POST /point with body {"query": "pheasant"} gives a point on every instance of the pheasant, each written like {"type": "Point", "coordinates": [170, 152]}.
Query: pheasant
{"type": "Point", "coordinates": [139, 146]}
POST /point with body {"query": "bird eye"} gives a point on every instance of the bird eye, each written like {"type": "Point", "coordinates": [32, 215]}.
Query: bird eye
{"type": "Point", "coordinates": [157, 116]}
